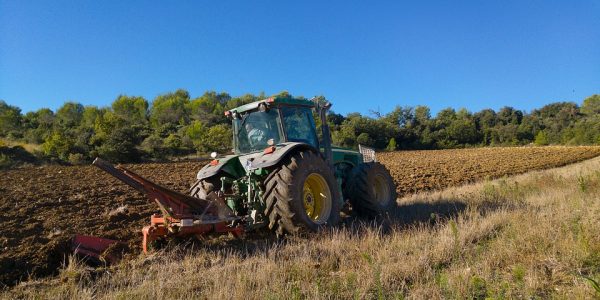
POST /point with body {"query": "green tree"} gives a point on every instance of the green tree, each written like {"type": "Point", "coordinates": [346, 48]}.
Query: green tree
{"type": "Point", "coordinates": [69, 115]}
{"type": "Point", "coordinates": [556, 117]}
{"type": "Point", "coordinates": [462, 131]}
{"type": "Point", "coordinates": [401, 117]}
{"type": "Point", "coordinates": [422, 114]}
{"type": "Point", "coordinates": [134, 110]}
{"type": "Point", "coordinates": [218, 139]}
{"type": "Point", "coordinates": [584, 132]}
{"type": "Point", "coordinates": [58, 146]}
{"type": "Point", "coordinates": [67, 135]}
{"type": "Point", "coordinates": [154, 146]}
{"type": "Point", "coordinates": [364, 139]}
{"type": "Point", "coordinates": [38, 125]}
{"type": "Point", "coordinates": [444, 118]}
{"type": "Point", "coordinates": [505, 134]}
{"type": "Point", "coordinates": [391, 145]}
{"type": "Point", "coordinates": [335, 120]}
{"type": "Point", "coordinates": [345, 136]}
{"type": "Point", "coordinates": [527, 130]}
{"type": "Point", "coordinates": [10, 120]}
{"type": "Point", "coordinates": [92, 115]}
{"type": "Point", "coordinates": [508, 115]}
{"type": "Point", "coordinates": [485, 119]}
{"type": "Point", "coordinates": [116, 138]}
{"type": "Point", "coordinates": [591, 105]}
{"type": "Point", "coordinates": [541, 139]}
{"type": "Point", "coordinates": [245, 99]}
{"type": "Point", "coordinates": [120, 145]}
{"type": "Point", "coordinates": [173, 144]}
{"type": "Point", "coordinates": [209, 108]}
{"type": "Point", "coordinates": [170, 109]}
{"type": "Point", "coordinates": [193, 135]}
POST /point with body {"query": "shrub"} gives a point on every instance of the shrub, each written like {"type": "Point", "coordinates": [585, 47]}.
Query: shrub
{"type": "Point", "coordinates": [364, 139]}
{"type": "Point", "coordinates": [58, 146]}
{"type": "Point", "coordinates": [541, 139]}
{"type": "Point", "coordinates": [76, 158]}
{"type": "Point", "coordinates": [153, 146]}
{"type": "Point", "coordinates": [391, 145]}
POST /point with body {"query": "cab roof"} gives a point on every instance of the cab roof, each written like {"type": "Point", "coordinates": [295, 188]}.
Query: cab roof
{"type": "Point", "coordinates": [271, 101]}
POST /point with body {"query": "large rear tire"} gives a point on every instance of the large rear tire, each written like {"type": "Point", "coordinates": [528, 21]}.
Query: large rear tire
{"type": "Point", "coordinates": [301, 195]}
{"type": "Point", "coordinates": [371, 190]}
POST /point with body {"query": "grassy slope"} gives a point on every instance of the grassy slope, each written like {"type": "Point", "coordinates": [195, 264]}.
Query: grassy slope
{"type": "Point", "coordinates": [533, 235]}
{"type": "Point", "coordinates": [31, 148]}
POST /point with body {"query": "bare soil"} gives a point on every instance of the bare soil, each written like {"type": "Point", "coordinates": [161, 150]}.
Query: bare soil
{"type": "Point", "coordinates": [42, 207]}
{"type": "Point", "coordinates": [417, 171]}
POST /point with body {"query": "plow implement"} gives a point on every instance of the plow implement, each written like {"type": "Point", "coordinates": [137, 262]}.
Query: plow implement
{"type": "Point", "coordinates": [181, 215]}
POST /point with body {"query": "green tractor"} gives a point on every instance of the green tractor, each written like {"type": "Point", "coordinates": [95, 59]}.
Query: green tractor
{"type": "Point", "coordinates": [284, 177]}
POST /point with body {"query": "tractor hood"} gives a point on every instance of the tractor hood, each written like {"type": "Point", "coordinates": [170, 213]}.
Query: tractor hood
{"type": "Point", "coordinates": [236, 165]}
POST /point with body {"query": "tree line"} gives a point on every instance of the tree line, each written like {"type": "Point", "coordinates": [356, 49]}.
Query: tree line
{"type": "Point", "coordinates": [174, 124]}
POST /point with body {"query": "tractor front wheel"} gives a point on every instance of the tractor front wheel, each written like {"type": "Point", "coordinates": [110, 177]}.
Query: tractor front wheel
{"type": "Point", "coordinates": [201, 188]}
{"type": "Point", "coordinates": [301, 194]}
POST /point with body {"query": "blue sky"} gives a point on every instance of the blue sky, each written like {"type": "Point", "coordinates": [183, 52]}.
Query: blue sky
{"type": "Point", "coordinates": [361, 55]}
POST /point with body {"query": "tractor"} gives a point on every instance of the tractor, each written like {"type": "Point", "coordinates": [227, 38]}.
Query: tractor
{"type": "Point", "coordinates": [283, 175]}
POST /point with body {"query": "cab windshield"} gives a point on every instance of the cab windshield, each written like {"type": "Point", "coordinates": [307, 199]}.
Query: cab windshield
{"type": "Point", "coordinates": [254, 130]}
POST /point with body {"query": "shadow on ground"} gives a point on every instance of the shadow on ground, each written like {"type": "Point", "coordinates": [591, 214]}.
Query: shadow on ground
{"type": "Point", "coordinates": [426, 213]}
{"type": "Point", "coordinates": [402, 216]}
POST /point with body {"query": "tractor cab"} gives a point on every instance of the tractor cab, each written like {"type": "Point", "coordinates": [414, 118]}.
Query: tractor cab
{"type": "Point", "coordinates": [271, 122]}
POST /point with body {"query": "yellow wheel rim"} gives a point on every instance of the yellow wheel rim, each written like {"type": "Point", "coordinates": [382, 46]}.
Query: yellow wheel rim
{"type": "Point", "coordinates": [381, 190]}
{"type": "Point", "coordinates": [316, 197]}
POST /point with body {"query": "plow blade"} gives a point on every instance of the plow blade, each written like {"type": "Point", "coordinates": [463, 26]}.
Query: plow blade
{"type": "Point", "coordinates": [96, 248]}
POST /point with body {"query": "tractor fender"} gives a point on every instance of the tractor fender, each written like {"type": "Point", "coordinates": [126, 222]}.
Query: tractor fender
{"type": "Point", "coordinates": [229, 164]}
{"type": "Point", "coordinates": [236, 165]}
{"type": "Point", "coordinates": [265, 159]}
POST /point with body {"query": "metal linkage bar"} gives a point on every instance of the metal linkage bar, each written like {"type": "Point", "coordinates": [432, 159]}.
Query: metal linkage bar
{"type": "Point", "coordinates": [182, 215]}
{"type": "Point", "coordinates": [171, 203]}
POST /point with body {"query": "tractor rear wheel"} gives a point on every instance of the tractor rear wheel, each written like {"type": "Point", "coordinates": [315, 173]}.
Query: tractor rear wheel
{"type": "Point", "coordinates": [371, 190]}
{"type": "Point", "coordinates": [301, 194]}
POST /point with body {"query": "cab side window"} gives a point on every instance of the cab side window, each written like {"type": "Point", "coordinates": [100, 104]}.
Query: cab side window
{"type": "Point", "coordinates": [299, 125]}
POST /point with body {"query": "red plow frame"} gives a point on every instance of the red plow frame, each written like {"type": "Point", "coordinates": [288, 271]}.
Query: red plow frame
{"type": "Point", "coordinates": [182, 215]}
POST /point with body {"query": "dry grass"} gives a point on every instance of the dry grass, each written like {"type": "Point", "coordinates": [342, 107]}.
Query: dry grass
{"type": "Point", "coordinates": [31, 148]}
{"type": "Point", "coordinates": [535, 235]}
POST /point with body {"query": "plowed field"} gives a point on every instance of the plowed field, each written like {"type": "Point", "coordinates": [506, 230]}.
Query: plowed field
{"type": "Point", "coordinates": [43, 206]}
{"type": "Point", "coordinates": [416, 171]}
